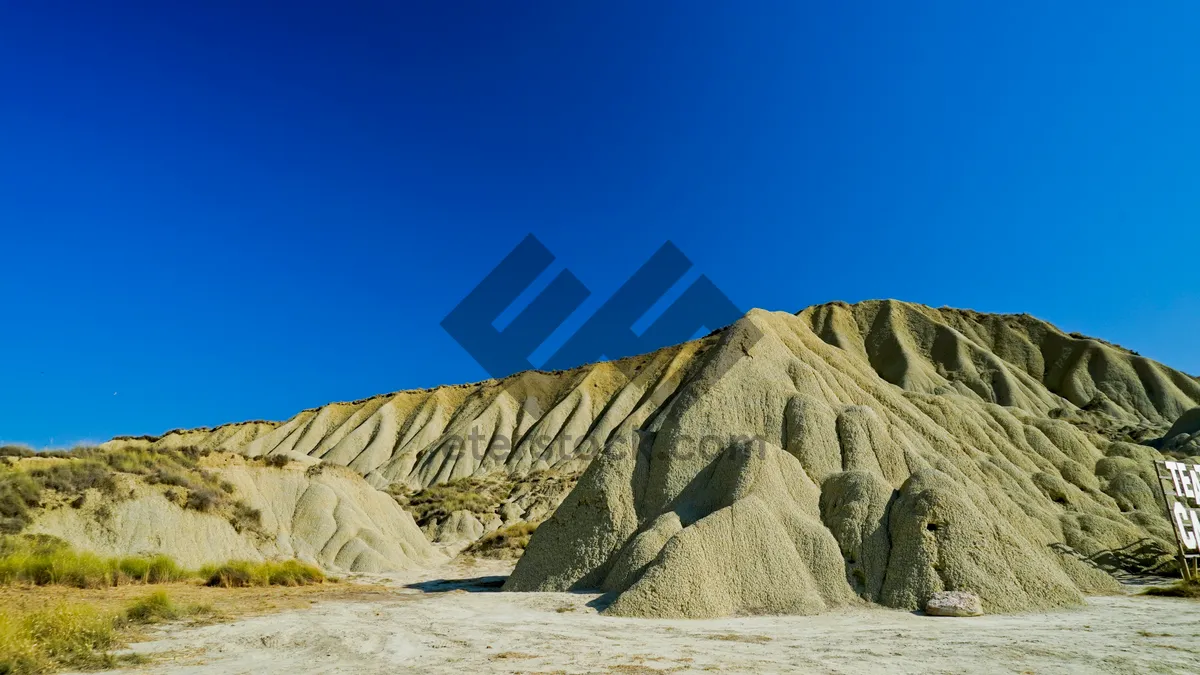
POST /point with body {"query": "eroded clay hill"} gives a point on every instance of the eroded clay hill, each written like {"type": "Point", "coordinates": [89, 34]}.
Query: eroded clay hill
{"type": "Point", "coordinates": [904, 450]}
{"type": "Point", "coordinates": [208, 507]}
{"type": "Point", "coordinates": [528, 422]}
{"type": "Point", "coordinates": [901, 450]}
{"type": "Point", "coordinates": [412, 437]}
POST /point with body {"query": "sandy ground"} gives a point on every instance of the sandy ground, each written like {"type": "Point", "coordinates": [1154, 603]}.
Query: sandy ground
{"type": "Point", "coordinates": [430, 623]}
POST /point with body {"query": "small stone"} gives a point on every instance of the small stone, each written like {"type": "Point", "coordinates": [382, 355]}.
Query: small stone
{"type": "Point", "coordinates": [954, 603]}
{"type": "Point", "coordinates": [511, 513]}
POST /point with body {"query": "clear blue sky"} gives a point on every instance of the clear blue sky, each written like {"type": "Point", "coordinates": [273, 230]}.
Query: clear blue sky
{"type": "Point", "coordinates": [210, 215]}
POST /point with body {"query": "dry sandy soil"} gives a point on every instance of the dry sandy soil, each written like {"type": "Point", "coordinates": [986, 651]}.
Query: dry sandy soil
{"type": "Point", "coordinates": [451, 620]}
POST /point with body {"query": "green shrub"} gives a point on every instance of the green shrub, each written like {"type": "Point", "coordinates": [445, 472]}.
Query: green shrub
{"type": "Point", "coordinates": [31, 544]}
{"type": "Point", "coordinates": [165, 476]}
{"type": "Point", "coordinates": [241, 573]}
{"type": "Point", "coordinates": [292, 573]}
{"type": "Point", "coordinates": [78, 569]}
{"type": "Point", "coordinates": [134, 568]}
{"type": "Point", "coordinates": [73, 477]}
{"type": "Point", "coordinates": [18, 492]}
{"type": "Point", "coordinates": [71, 636]}
{"type": "Point", "coordinates": [245, 518]}
{"type": "Point", "coordinates": [41, 560]}
{"type": "Point", "coordinates": [16, 451]}
{"type": "Point", "coordinates": [163, 568]}
{"type": "Point", "coordinates": [202, 499]}
{"type": "Point", "coordinates": [233, 574]}
{"type": "Point", "coordinates": [154, 607]}
{"type": "Point", "coordinates": [153, 570]}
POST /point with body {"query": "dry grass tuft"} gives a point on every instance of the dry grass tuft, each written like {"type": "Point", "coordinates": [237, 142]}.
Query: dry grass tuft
{"type": "Point", "coordinates": [513, 655]}
{"type": "Point", "coordinates": [65, 636]}
{"type": "Point", "coordinates": [44, 629]}
{"type": "Point", "coordinates": [153, 608]}
{"type": "Point", "coordinates": [1180, 589]}
{"type": "Point", "coordinates": [736, 637]}
{"type": "Point", "coordinates": [77, 635]}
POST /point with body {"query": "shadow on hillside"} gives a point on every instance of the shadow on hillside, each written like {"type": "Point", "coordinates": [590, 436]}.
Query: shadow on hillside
{"type": "Point", "coordinates": [1143, 557]}
{"type": "Point", "coordinates": [473, 585]}
{"type": "Point", "coordinates": [602, 602]}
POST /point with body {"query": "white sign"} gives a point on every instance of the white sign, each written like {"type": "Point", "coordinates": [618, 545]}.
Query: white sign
{"type": "Point", "coordinates": [1183, 502]}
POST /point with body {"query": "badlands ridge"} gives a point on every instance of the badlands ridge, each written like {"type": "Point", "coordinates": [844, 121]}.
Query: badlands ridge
{"type": "Point", "coordinates": [876, 452]}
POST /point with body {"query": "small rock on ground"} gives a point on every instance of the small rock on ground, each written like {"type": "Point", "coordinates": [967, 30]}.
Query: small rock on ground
{"type": "Point", "coordinates": [954, 603]}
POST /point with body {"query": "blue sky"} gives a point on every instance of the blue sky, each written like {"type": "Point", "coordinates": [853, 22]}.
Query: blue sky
{"type": "Point", "coordinates": [220, 213]}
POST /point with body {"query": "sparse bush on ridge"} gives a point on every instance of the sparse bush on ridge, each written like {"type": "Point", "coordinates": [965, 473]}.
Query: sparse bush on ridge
{"type": "Point", "coordinates": [320, 468]}
{"type": "Point", "coordinates": [16, 451]}
{"type": "Point", "coordinates": [276, 461]}
{"type": "Point", "coordinates": [437, 502]}
{"type": "Point", "coordinates": [167, 477]}
{"type": "Point", "coordinates": [202, 499]}
{"type": "Point", "coordinates": [18, 493]}
{"type": "Point", "coordinates": [485, 496]}
{"type": "Point", "coordinates": [506, 542]}
{"type": "Point", "coordinates": [74, 477]}
{"type": "Point", "coordinates": [246, 518]}
{"type": "Point", "coordinates": [87, 468]}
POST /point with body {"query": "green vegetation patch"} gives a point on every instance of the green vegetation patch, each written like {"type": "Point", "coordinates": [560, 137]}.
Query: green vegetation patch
{"type": "Point", "coordinates": [24, 480]}
{"type": "Point", "coordinates": [73, 636]}
{"type": "Point", "coordinates": [276, 461]}
{"type": "Point", "coordinates": [241, 573]}
{"type": "Point", "coordinates": [507, 542]}
{"type": "Point", "coordinates": [41, 559]}
{"type": "Point", "coordinates": [1180, 589]}
{"type": "Point", "coordinates": [483, 495]}
{"type": "Point", "coordinates": [78, 636]}
{"type": "Point", "coordinates": [153, 608]}
{"type": "Point", "coordinates": [19, 493]}
{"type": "Point", "coordinates": [437, 502]}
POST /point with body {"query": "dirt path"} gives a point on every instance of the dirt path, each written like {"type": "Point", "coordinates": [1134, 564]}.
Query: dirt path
{"type": "Point", "coordinates": [462, 628]}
